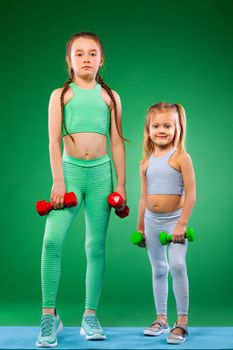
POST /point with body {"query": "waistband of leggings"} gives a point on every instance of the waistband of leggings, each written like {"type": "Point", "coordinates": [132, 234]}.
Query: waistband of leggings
{"type": "Point", "coordinates": [85, 162]}
{"type": "Point", "coordinates": [168, 215]}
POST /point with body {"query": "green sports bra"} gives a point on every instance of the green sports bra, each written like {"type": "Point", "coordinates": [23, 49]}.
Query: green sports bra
{"type": "Point", "coordinates": [86, 111]}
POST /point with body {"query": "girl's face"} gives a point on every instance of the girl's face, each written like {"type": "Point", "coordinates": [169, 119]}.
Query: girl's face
{"type": "Point", "coordinates": [162, 127]}
{"type": "Point", "coordinates": [85, 58]}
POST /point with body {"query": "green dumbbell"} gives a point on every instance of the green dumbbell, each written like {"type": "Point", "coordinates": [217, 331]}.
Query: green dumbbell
{"type": "Point", "coordinates": [165, 238]}
{"type": "Point", "coordinates": [138, 239]}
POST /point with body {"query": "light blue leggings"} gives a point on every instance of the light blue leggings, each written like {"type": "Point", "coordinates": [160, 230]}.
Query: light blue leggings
{"type": "Point", "coordinates": [154, 224]}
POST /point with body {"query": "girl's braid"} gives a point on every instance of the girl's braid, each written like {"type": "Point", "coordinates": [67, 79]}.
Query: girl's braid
{"type": "Point", "coordinates": [109, 91]}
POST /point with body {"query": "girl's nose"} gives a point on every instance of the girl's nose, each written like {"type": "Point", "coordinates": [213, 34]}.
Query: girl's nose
{"type": "Point", "coordinates": [86, 58]}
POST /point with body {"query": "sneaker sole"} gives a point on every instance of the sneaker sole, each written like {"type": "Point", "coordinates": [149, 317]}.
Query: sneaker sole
{"type": "Point", "coordinates": [152, 333]}
{"type": "Point", "coordinates": [92, 337]}
{"type": "Point", "coordinates": [51, 345]}
{"type": "Point", "coordinates": [175, 341]}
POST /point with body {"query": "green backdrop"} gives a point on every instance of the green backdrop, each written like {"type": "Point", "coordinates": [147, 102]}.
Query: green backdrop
{"type": "Point", "coordinates": [175, 51]}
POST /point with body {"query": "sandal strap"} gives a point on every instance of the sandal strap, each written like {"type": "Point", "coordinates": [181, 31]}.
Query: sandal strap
{"type": "Point", "coordinates": [182, 326]}
{"type": "Point", "coordinates": [161, 323]}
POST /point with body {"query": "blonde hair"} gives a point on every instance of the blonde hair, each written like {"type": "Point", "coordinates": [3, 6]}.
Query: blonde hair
{"type": "Point", "coordinates": [179, 138]}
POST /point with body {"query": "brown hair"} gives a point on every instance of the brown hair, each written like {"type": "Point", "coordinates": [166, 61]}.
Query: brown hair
{"type": "Point", "coordinates": [179, 138]}
{"type": "Point", "coordinates": [98, 78]}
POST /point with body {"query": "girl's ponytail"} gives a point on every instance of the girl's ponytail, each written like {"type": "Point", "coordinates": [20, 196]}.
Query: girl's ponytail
{"type": "Point", "coordinates": [180, 139]}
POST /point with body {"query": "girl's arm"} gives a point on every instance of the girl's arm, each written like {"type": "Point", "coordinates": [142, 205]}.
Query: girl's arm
{"type": "Point", "coordinates": [190, 195]}
{"type": "Point", "coordinates": [142, 201]}
{"type": "Point", "coordinates": [55, 138]}
{"type": "Point", "coordinates": [118, 147]}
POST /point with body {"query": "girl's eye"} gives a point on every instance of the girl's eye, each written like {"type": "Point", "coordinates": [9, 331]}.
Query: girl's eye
{"type": "Point", "coordinates": [167, 126]}
{"type": "Point", "coordinates": [93, 54]}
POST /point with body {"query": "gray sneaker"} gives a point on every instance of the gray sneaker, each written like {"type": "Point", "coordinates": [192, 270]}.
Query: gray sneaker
{"type": "Point", "coordinates": [175, 338]}
{"type": "Point", "coordinates": [49, 327]}
{"type": "Point", "coordinates": [163, 327]}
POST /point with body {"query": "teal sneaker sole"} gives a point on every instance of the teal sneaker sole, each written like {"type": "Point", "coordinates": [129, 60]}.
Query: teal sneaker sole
{"type": "Point", "coordinates": [50, 345]}
{"type": "Point", "coordinates": [95, 336]}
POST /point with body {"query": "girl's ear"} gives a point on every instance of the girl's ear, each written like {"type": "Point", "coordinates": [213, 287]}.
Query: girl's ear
{"type": "Point", "coordinates": [68, 60]}
{"type": "Point", "coordinates": [101, 61]}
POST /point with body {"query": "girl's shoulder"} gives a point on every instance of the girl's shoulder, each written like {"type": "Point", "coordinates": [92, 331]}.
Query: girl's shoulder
{"type": "Point", "coordinates": [108, 100]}
{"type": "Point", "coordinates": [182, 157]}
{"type": "Point", "coordinates": [114, 92]}
{"type": "Point", "coordinates": [56, 94]}
{"type": "Point", "coordinates": [57, 91]}
{"type": "Point", "coordinates": [116, 96]}
{"type": "Point", "coordinates": [143, 165]}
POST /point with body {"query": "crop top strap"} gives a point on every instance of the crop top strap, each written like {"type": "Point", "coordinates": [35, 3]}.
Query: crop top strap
{"type": "Point", "coordinates": [170, 153]}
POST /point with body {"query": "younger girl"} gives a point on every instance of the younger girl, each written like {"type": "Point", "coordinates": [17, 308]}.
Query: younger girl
{"type": "Point", "coordinates": [167, 198]}
{"type": "Point", "coordinates": [89, 110]}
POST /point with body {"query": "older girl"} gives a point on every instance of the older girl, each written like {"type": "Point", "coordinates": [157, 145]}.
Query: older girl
{"type": "Point", "coordinates": [83, 113]}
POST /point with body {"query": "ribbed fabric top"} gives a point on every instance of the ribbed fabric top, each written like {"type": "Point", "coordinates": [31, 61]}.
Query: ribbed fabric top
{"type": "Point", "coordinates": [86, 111]}
{"type": "Point", "coordinates": [161, 177]}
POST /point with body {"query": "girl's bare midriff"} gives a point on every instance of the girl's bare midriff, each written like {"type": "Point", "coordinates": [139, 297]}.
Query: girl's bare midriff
{"type": "Point", "coordinates": [163, 203]}
{"type": "Point", "coordinates": [87, 145]}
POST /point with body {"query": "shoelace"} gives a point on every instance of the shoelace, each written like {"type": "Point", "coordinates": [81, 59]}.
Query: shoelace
{"type": "Point", "coordinates": [46, 326]}
{"type": "Point", "coordinates": [92, 322]}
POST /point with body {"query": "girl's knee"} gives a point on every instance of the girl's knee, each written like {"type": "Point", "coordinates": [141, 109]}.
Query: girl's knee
{"type": "Point", "coordinates": [177, 267]}
{"type": "Point", "coordinates": [161, 270]}
{"type": "Point", "coordinates": [52, 244]}
{"type": "Point", "coordinates": [95, 249]}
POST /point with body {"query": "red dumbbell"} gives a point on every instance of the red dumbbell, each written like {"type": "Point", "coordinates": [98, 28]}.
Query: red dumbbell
{"type": "Point", "coordinates": [44, 207]}
{"type": "Point", "coordinates": [116, 201]}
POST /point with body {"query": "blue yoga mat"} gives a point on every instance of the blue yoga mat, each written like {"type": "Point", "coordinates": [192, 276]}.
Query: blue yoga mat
{"type": "Point", "coordinates": [119, 338]}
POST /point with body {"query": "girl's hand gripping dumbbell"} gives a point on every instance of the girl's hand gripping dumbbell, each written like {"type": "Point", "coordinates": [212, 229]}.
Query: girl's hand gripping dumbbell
{"type": "Point", "coordinates": [43, 207]}
{"type": "Point", "coordinates": [116, 201]}
{"type": "Point", "coordinates": [165, 238]}
{"type": "Point", "coordinates": [138, 238]}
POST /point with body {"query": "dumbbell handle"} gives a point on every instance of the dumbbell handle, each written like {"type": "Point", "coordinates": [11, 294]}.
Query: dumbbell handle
{"type": "Point", "coordinates": [166, 238]}
{"type": "Point", "coordinates": [43, 207]}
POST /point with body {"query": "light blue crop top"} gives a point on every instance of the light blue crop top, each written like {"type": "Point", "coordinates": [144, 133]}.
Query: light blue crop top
{"type": "Point", "coordinates": [86, 111]}
{"type": "Point", "coordinates": [161, 177]}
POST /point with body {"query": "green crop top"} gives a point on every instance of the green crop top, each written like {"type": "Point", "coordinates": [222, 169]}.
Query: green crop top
{"type": "Point", "coordinates": [86, 111]}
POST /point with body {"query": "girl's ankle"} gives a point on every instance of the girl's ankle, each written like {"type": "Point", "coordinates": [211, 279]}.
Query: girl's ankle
{"type": "Point", "coordinates": [162, 318]}
{"type": "Point", "coordinates": [183, 321]}
{"type": "Point", "coordinates": [49, 311]}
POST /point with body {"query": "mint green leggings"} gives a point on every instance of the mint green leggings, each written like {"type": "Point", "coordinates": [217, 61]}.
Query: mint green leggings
{"type": "Point", "coordinates": [91, 181]}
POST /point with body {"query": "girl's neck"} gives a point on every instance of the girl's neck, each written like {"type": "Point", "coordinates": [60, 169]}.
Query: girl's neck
{"type": "Point", "coordinates": [160, 151]}
{"type": "Point", "coordinates": [85, 83]}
